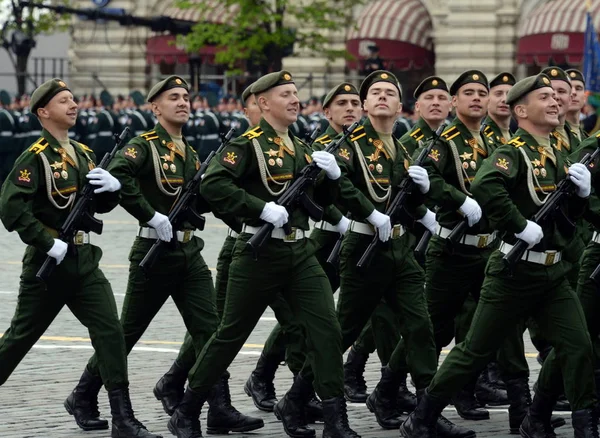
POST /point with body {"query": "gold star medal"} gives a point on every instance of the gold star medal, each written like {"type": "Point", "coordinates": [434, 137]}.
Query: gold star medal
{"type": "Point", "coordinates": [466, 156]}
{"type": "Point", "coordinates": [56, 165]}
{"type": "Point", "coordinates": [271, 153]}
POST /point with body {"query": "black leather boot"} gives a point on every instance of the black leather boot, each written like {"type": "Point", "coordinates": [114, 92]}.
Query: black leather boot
{"type": "Point", "coordinates": [383, 401]}
{"type": "Point", "coordinates": [222, 417]}
{"type": "Point", "coordinates": [467, 406]}
{"type": "Point", "coordinates": [336, 419]}
{"type": "Point", "coordinates": [314, 409]}
{"type": "Point", "coordinates": [585, 423]}
{"type": "Point", "coordinates": [290, 409]}
{"type": "Point", "coordinates": [495, 376]}
{"type": "Point", "coordinates": [422, 422]}
{"type": "Point", "coordinates": [537, 421]}
{"type": "Point", "coordinates": [124, 423]}
{"type": "Point", "coordinates": [169, 389]}
{"type": "Point", "coordinates": [407, 401]}
{"type": "Point", "coordinates": [487, 393]}
{"type": "Point", "coordinates": [185, 421]}
{"type": "Point", "coordinates": [260, 385]}
{"type": "Point", "coordinates": [82, 403]}
{"type": "Point", "coordinates": [355, 386]}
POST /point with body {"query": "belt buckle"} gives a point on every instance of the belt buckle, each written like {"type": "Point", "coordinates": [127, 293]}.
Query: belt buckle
{"type": "Point", "coordinates": [396, 231]}
{"type": "Point", "coordinates": [79, 238]}
{"type": "Point", "coordinates": [483, 241]}
{"type": "Point", "coordinates": [291, 237]}
{"type": "Point", "coordinates": [187, 236]}
{"type": "Point", "coordinates": [550, 257]}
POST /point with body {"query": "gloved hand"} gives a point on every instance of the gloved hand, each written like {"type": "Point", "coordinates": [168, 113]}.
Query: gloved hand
{"type": "Point", "coordinates": [429, 221]}
{"type": "Point", "coordinates": [382, 223]}
{"type": "Point", "coordinates": [420, 177]}
{"type": "Point", "coordinates": [326, 161]}
{"type": "Point", "coordinates": [107, 182]}
{"type": "Point", "coordinates": [342, 226]}
{"type": "Point", "coordinates": [532, 234]}
{"type": "Point", "coordinates": [162, 225]}
{"type": "Point", "coordinates": [581, 177]}
{"type": "Point", "coordinates": [58, 251]}
{"type": "Point", "coordinates": [471, 210]}
{"type": "Point", "coordinates": [274, 214]}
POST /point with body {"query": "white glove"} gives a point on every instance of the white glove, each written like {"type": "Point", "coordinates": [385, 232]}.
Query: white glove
{"type": "Point", "coordinates": [581, 177]}
{"type": "Point", "coordinates": [471, 210]}
{"type": "Point", "coordinates": [58, 250]}
{"type": "Point", "coordinates": [326, 161]}
{"type": "Point", "coordinates": [162, 225]}
{"type": "Point", "coordinates": [107, 182]}
{"type": "Point", "coordinates": [274, 214]}
{"type": "Point", "coordinates": [342, 226]}
{"type": "Point", "coordinates": [429, 221]}
{"type": "Point", "coordinates": [532, 234]}
{"type": "Point", "coordinates": [382, 223]}
{"type": "Point", "coordinates": [420, 177]}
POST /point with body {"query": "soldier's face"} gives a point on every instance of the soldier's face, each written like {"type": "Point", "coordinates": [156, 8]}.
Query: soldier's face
{"type": "Point", "coordinates": [433, 105]}
{"type": "Point", "coordinates": [563, 96]}
{"type": "Point", "coordinates": [471, 100]}
{"type": "Point", "coordinates": [497, 105]}
{"type": "Point", "coordinates": [344, 109]}
{"type": "Point", "coordinates": [383, 100]}
{"type": "Point", "coordinates": [252, 110]}
{"type": "Point", "coordinates": [281, 103]}
{"type": "Point", "coordinates": [60, 111]}
{"type": "Point", "coordinates": [173, 106]}
{"type": "Point", "coordinates": [540, 108]}
{"type": "Point", "coordinates": [578, 97]}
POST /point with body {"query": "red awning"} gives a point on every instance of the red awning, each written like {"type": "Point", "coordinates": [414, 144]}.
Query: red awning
{"type": "Point", "coordinates": [162, 48]}
{"type": "Point", "coordinates": [562, 48]}
{"type": "Point", "coordinates": [402, 29]}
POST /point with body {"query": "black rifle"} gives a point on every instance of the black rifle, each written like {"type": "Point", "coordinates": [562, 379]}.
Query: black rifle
{"type": "Point", "coordinates": [81, 217]}
{"type": "Point", "coordinates": [421, 247]}
{"type": "Point", "coordinates": [296, 193]}
{"type": "Point", "coordinates": [563, 188]}
{"type": "Point", "coordinates": [406, 187]}
{"type": "Point", "coordinates": [314, 135]}
{"type": "Point", "coordinates": [183, 209]}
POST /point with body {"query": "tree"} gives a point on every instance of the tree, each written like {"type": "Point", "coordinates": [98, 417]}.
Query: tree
{"type": "Point", "coordinates": [263, 32]}
{"type": "Point", "coordinates": [19, 29]}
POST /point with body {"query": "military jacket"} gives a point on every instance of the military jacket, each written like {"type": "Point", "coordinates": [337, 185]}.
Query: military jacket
{"type": "Point", "coordinates": [493, 134]}
{"type": "Point", "coordinates": [513, 184]}
{"type": "Point", "coordinates": [560, 145]}
{"type": "Point", "coordinates": [9, 125]}
{"type": "Point", "coordinates": [257, 168]}
{"type": "Point", "coordinates": [207, 133]}
{"type": "Point", "coordinates": [42, 187]}
{"type": "Point", "coordinates": [588, 146]}
{"type": "Point", "coordinates": [138, 122]}
{"type": "Point", "coordinates": [418, 136]}
{"type": "Point", "coordinates": [153, 172]}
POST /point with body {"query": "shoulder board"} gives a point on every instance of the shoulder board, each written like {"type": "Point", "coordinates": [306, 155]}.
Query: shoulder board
{"type": "Point", "coordinates": [516, 142]}
{"type": "Point", "coordinates": [325, 139]}
{"type": "Point", "coordinates": [417, 134]}
{"type": "Point", "coordinates": [598, 134]}
{"type": "Point", "coordinates": [358, 133]}
{"type": "Point", "coordinates": [488, 131]}
{"type": "Point", "coordinates": [253, 133]}
{"type": "Point", "coordinates": [84, 147]}
{"type": "Point", "coordinates": [450, 133]}
{"type": "Point", "coordinates": [150, 135]}
{"type": "Point", "coordinates": [39, 145]}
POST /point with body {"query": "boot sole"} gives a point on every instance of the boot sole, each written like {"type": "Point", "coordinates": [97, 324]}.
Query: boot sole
{"type": "Point", "coordinates": [356, 399]}
{"type": "Point", "coordinates": [278, 416]}
{"type": "Point", "coordinates": [383, 425]}
{"type": "Point", "coordinates": [85, 428]}
{"type": "Point", "coordinates": [169, 412]}
{"type": "Point", "coordinates": [225, 431]}
{"type": "Point", "coordinates": [258, 406]}
{"type": "Point", "coordinates": [473, 418]}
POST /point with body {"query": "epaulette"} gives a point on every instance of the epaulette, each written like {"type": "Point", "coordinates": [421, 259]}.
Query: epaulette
{"type": "Point", "coordinates": [417, 134]}
{"type": "Point", "coordinates": [253, 133]}
{"type": "Point", "coordinates": [516, 142]}
{"type": "Point", "coordinates": [150, 135]}
{"type": "Point", "coordinates": [39, 145]}
{"type": "Point", "coordinates": [324, 140]}
{"type": "Point", "coordinates": [488, 131]}
{"type": "Point", "coordinates": [598, 134]}
{"type": "Point", "coordinates": [450, 133]}
{"type": "Point", "coordinates": [358, 133]}
{"type": "Point", "coordinates": [84, 147]}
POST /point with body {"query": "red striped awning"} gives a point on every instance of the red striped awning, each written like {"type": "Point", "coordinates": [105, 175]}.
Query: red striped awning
{"type": "Point", "coordinates": [554, 30]}
{"type": "Point", "coordinates": [163, 48]}
{"type": "Point", "coordinates": [209, 11]}
{"type": "Point", "coordinates": [402, 29]}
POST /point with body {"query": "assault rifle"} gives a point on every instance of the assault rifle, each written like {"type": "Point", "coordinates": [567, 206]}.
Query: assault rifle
{"type": "Point", "coordinates": [296, 193]}
{"type": "Point", "coordinates": [183, 210]}
{"type": "Point", "coordinates": [81, 217]}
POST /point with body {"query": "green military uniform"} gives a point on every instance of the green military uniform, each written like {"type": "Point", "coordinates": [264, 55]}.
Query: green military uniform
{"type": "Point", "coordinates": [207, 133]}
{"type": "Point", "coordinates": [9, 148]}
{"type": "Point", "coordinates": [106, 126]}
{"type": "Point", "coordinates": [493, 134]}
{"type": "Point", "coordinates": [35, 202]}
{"type": "Point", "coordinates": [418, 136]}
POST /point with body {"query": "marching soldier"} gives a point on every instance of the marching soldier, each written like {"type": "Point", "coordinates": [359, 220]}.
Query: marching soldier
{"type": "Point", "coordinates": [510, 186]}
{"type": "Point", "coordinates": [106, 125]}
{"type": "Point", "coordinates": [9, 148]}
{"type": "Point", "coordinates": [234, 186]}
{"type": "Point", "coordinates": [496, 125]}
{"type": "Point", "coordinates": [578, 101]}
{"type": "Point", "coordinates": [207, 133]}
{"type": "Point", "coordinates": [35, 201]}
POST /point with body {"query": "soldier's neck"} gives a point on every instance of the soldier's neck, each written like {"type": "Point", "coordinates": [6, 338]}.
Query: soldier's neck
{"type": "Point", "coordinates": [384, 125]}
{"type": "Point", "coordinates": [472, 124]}
{"type": "Point", "coordinates": [502, 122]}
{"type": "Point", "coordinates": [275, 124]}
{"type": "Point", "coordinates": [573, 118]}
{"type": "Point", "coordinates": [434, 124]}
{"type": "Point", "coordinates": [172, 129]}
{"type": "Point", "coordinates": [58, 133]}
{"type": "Point", "coordinates": [535, 129]}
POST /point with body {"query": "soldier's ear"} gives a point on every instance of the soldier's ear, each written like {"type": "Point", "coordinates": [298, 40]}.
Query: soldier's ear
{"type": "Point", "coordinates": [454, 100]}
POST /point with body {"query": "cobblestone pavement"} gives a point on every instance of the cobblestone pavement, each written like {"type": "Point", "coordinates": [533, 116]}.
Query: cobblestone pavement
{"type": "Point", "coordinates": [31, 401]}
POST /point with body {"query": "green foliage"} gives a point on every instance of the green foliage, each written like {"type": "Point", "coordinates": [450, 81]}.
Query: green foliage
{"type": "Point", "coordinates": [39, 21]}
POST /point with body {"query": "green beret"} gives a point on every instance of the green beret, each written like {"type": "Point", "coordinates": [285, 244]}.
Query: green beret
{"type": "Point", "coordinates": [246, 94]}
{"type": "Point", "coordinates": [430, 83]}
{"type": "Point", "coordinates": [469, 77]}
{"type": "Point", "coordinates": [504, 78]}
{"type": "Point", "coordinates": [526, 86]}
{"type": "Point", "coordinates": [137, 97]}
{"type": "Point", "coordinates": [556, 74]}
{"type": "Point", "coordinates": [343, 88]}
{"type": "Point", "coordinates": [106, 98]}
{"type": "Point", "coordinates": [271, 80]}
{"type": "Point", "coordinates": [576, 75]}
{"type": "Point", "coordinates": [166, 84]}
{"type": "Point", "coordinates": [45, 92]}
{"type": "Point", "coordinates": [4, 97]}
{"type": "Point", "coordinates": [378, 76]}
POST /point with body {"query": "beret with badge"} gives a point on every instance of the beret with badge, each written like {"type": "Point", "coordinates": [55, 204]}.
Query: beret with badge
{"type": "Point", "coordinates": [430, 83]}
{"type": "Point", "coordinates": [172, 81]}
{"type": "Point", "coordinates": [378, 76]}
{"type": "Point", "coordinates": [504, 78]}
{"type": "Point", "coordinates": [576, 75]}
{"type": "Point", "coordinates": [343, 88]}
{"type": "Point", "coordinates": [45, 92]}
{"type": "Point", "coordinates": [556, 74]}
{"type": "Point", "coordinates": [469, 77]}
{"type": "Point", "coordinates": [272, 80]}
{"type": "Point", "coordinates": [526, 86]}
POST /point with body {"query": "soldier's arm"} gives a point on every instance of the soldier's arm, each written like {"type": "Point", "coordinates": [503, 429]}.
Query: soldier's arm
{"type": "Point", "coordinates": [332, 215]}
{"type": "Point", "coordinates": [438, 164]}
{"type": "Point", "coordinates": [16, 202]}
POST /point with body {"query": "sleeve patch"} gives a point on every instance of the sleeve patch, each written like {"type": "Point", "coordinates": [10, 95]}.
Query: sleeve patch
{"type": "Point", "coordinates": [434, 155]}
{"type": "Point", "coordinates": [24, 176]}
{"type": "Point", "coordinates": [503, 163]}
{"type": "Point", "coordinates": [132, 152]}
{"type": "Point", "coordinates": [344, 153]}
{"type": "Point", "coordinates": [231, 158]}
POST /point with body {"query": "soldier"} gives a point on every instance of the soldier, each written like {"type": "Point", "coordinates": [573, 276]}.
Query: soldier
{"type": "Point", "coordinates": [496, 126]}
{"type": "Point", "coordinates": [578, 101]}
{"type": "Point", "coordinates": [506, 188]}
{"type": "Point", "coordinates": [207, 132]}
{"type": "Point", "coordinates": [234, 187]}
{"type": "Point", "coordinates": [106, 126]}
{"type": "Point", "coordinates": [9, 148]}
{"type": "Point", "coordinates": [35, 201]}
{"type": "Point", "coordinates": [153, 168]}
{"type": "Point", "coordinates": [138, 122]}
